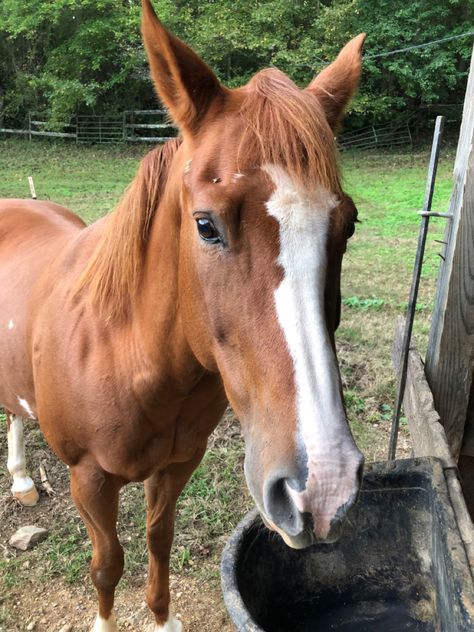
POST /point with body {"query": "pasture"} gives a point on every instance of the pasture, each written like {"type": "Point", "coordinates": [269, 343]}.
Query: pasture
{"type": "Point", "coordinates": [50, 584]}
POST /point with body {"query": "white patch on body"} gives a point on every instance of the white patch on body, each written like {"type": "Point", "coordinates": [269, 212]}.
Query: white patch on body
{"type": "Point", "coordinates": [16, 463]}
{"type": "Point", "coordinates": [303, 216]}
{"type": "Point", "coordinates": [105, 625]}
{"type": "Point", "coordinates": [10, 324]}
{"type": "Point", "coordinates": [237, 176]}
{"type": "Point", "coordinates": [26, 407]}
{"type": "Point", "coordinates": [172, 625]}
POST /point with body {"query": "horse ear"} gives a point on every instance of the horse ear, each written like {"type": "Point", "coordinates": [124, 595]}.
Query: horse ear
{"type": "Point", "coordinates": [185, 84]}
{"type": "Point", "coordinates": [336, 84]}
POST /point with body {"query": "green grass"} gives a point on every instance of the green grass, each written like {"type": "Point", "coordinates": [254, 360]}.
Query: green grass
{"type": "Point", "coordinates": [88, 180]}
{"type": "Point", "coordinates": [388, 190]}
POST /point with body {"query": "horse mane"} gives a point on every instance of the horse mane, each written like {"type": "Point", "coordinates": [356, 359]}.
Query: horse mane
{"type": "Point", "coordinates": [287, 126]}
{"type": "Point", "coordinates": [114, 270]}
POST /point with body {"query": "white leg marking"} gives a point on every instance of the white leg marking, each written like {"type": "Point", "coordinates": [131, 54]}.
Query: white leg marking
{"type": "Point", "coordinates": [303, 216]}
{"type": "Point", "coordinates": [105, 625]}
{"type": "Point", "coordinates": [10, 324]}
{"type": "Point", "coordinates": [26, 407]}
{"type": "Point", "coordinates": [172, 625]}
{"type": "Point", "coordinates": [23, 487]}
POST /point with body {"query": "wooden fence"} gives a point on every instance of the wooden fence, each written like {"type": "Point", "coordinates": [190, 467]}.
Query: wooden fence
{"type": "Point", "coordinates": [439, 397]}
{"type": "Point", "coordinates": [145, 126]}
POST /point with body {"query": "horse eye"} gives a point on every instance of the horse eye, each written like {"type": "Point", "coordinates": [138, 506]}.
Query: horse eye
{"type": "Point", "coordinates": [207, 231]}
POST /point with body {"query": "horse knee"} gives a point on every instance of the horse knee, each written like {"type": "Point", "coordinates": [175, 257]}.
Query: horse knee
{"type": "Point", "coordinates": [106, 572]}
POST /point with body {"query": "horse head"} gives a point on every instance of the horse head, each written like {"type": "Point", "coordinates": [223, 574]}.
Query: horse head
{"type": "Point", "coordinates": [263, 228]}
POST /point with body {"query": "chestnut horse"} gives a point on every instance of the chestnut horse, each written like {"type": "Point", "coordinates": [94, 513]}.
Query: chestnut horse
{"type": "Point", "coordinates": [215, 279]}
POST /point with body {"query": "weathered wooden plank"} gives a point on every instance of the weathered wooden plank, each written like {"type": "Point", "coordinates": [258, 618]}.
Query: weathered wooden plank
{"type": "Point", "coordinates": [450, 357]}
{"type": "Point", "coordinates": [163, 112]}
{"type": "Point", "coordinates": [428, 436]}
{"type": "Point", "coordinates": [53, 134]}
{"type": "Point", "coordinates": [148, 125]}
{"type": "Point", "coordinates": [426, 431]}
{"type": "Point", "coordinates": [6, 130]}
{"type": "Point", "coordinates": [149, 139]}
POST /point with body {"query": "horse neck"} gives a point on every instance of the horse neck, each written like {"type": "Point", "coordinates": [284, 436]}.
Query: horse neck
{"type": "Point", "coordinates": [157, 315]}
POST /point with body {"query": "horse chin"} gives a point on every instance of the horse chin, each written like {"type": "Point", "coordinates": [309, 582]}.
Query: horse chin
{"type": "Point", "coordinates": [302, 540]}
{"type": "Point", "coordinates": [305, 538]}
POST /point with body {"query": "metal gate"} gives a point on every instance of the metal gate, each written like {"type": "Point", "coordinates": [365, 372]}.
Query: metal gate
{"type": "Point", "coordinates": [99, 129]}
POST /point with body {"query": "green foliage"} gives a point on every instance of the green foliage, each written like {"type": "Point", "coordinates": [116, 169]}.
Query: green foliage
{"type": "Point", "coordinates": [70, 54]}
{"type": "Point", "coordinates": [87, 55]}
{"type": "Point", "coordinates": [401, 83]}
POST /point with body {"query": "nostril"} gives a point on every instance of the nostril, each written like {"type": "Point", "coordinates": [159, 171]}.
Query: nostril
{"type": "Point", "coordinates": [360, 472]}
{"type": "Point", "coordinates": [280, 507]}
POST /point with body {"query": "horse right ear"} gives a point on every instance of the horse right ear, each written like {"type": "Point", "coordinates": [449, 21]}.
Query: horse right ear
{"type": "Point", "coordinates": [185, 84]}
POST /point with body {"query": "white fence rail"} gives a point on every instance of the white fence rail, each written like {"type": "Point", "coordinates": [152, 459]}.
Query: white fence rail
{"type": "Point", "coordinates": [130, 126]}
{"type": "Point", "coordinates": [138, 123]}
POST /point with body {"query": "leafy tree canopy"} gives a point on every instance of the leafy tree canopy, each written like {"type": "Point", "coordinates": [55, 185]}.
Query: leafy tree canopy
{"type": "Point", "coordinates": [86, 55]}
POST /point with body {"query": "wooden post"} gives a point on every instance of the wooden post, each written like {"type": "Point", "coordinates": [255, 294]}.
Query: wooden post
{"type": "Point", "coordinates": [427, 434]}
{"type": "Point", "coordinates": [450, 357]}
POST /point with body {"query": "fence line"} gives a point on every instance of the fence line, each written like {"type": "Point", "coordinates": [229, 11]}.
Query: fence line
{"type": "Point", "coordinates": [153, 126]}
{"type": "Point", "coordinates": [129, 126]}
{"type": "Point", "coordinates": [371, 137]}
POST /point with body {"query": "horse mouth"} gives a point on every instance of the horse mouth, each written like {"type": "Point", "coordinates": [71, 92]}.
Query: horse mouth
{"type": "Point", "coordinates": [301, 540]}
{"type": "Point", "coordinates": [307, 536]}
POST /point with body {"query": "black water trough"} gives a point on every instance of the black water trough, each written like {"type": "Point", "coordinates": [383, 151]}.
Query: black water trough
{"type": "Point", "coordinates": [399, 566]}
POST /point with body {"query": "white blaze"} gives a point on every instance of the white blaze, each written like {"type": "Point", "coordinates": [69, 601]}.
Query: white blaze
{"type": "Point", "coordinates": [303, 216]}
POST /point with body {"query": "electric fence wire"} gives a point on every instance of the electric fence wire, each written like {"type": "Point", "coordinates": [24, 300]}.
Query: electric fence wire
{"type": "Point", "coordinates": [415, 46]}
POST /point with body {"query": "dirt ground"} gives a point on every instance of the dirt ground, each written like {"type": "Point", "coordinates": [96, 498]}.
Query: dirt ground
{"type": "Point", "coordinates": [52, 606]}
{"type": "Point", "coordinates": [33, 593]}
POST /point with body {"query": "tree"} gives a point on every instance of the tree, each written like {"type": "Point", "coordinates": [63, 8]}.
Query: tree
{"type": "Point", "coordinates": [86, 55]}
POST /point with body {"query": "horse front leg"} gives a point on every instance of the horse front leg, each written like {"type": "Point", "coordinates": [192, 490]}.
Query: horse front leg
{"type": "Point", "coordinates": [95, 494]}
{"type": "Point", "coordinates": [162, 491]}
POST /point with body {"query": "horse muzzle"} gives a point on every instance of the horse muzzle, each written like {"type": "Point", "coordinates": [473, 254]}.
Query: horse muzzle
{"type": "Point", "coordinates": [317, 513]}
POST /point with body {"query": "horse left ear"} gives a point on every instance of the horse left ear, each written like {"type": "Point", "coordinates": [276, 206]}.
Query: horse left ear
{"type": "Point", "coordinates": [336, 84]}
{"type": "Point", "coordinates": [185, 84]}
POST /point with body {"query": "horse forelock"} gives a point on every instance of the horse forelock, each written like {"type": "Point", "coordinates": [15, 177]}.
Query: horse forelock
{"type": "Point", "coordinates": [286, 126]}
{"type": "Point", "coordinates": [113, 273]}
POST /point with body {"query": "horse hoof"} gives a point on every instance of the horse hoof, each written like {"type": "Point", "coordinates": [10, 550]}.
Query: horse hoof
{"type": "Point", "coordinates": [28, 498]}
{"type": "Point", "coordinates": [172, 625]}
{"type": "Point", "coordinates": [105, 625]}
